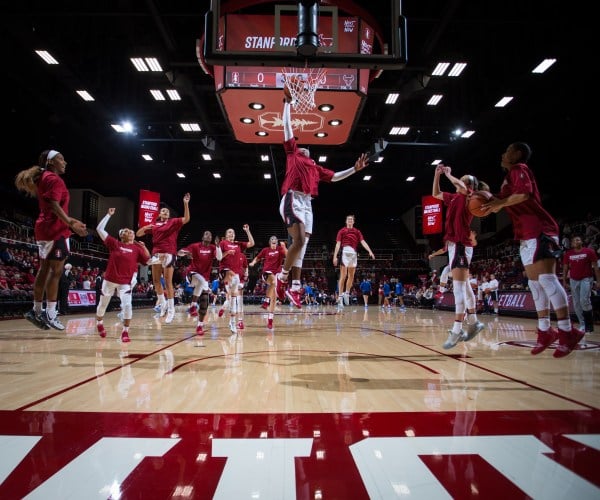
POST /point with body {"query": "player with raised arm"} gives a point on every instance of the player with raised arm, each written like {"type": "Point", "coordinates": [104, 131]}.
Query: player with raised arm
{"type": "Point", "coordinates": [124, 256]}
{"type": "Point", "coordinates": [300, 186]}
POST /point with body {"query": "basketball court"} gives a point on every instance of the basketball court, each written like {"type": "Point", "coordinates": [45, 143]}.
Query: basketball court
{"type": "Point", "coordinates": [361, 404]}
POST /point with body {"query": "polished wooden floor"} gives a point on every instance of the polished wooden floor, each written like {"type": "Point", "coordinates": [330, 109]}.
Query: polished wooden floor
{"type": "Point", "coordinates": [329, 382]}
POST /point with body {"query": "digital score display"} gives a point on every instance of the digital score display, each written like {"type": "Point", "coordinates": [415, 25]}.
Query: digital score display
{"type": "Point", "coordinates": [271, 78]}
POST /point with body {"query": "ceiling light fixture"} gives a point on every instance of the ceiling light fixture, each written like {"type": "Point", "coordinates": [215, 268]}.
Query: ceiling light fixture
{"type": "Point", "coordinates": [440, 69]}
{"type": "Point", "coordinates": [45, 55]}
{"type": "Point", "coordinates": [190, 127]}
{"type": "Point", "coordinates": [434, 100]}
{"type": "Point", "coordinates": [503, 102]}
{"type": "Point", "coordinates": [457, 69]}
{"type": "Point", "coordinates": [158, 95]}
{"type": "Point", "coordinates": [85, 95]}
{"type": "Point", "coordinates": [543, 66]}
{"type": "Point", "coordinates": [392, 97]}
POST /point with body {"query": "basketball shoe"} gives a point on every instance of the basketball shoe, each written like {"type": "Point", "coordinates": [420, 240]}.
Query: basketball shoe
{"type": "Point", "coordinates": [544, 339]}
{"type": "Point", "coordinates": [453, 339]}
{"type": "Point", "coordinates": [294, 297]}
{"type": "Point", "coordinates": [473, 330]}
{"type": "Point", "coordinates": [36, 319]}
{"type": "Point", "coordinates": [193, 310]}
{"type": "Point", "coordinates": [567, 341]}
{"type": "Point", "coordinates": [199, 330]}
{"type": "Point", "coordinates": [101, 330]}
{"type": "Point", "coordinates": [125, 337]}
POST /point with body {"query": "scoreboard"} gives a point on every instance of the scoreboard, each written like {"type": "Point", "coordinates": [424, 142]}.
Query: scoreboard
{"type": "Point", "coordinates": [272, 78]}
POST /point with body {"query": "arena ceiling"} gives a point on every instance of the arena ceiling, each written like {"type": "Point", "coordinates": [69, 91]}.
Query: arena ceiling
{"type": "Point", "coordinates": [501, 42]}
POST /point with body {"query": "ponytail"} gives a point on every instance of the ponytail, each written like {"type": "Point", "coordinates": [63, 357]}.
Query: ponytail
{"type": "Point", "coordinates": [27, 180]}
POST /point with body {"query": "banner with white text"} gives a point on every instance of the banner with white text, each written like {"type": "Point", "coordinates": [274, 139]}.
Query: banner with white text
{"type": "Point", "coordinates": [432, 215]}
{"type": "Point", "coordinates": [148, 208]}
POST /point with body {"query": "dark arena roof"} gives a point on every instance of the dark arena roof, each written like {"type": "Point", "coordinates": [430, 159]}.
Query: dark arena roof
{"type": "Point", "coordinates": [500, 42]}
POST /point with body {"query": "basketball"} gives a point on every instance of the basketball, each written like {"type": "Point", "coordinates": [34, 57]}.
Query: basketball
{"type": "Point", "coordinates": [287, 93]}
{"type": "Point", "coordinates": [475, 201]}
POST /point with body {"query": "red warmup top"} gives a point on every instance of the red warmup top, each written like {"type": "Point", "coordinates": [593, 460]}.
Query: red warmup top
{"type": "Point", "coordinates": [202, 258]}
{"type": "Point", "coordinates": [529, 218]}
{"type": "Point", "coordinates": [123, 260]}
{"type": "Point", "coordinates": [302, 173]}
{"type": "Point", "coordinates": [164, 235]}
{"type": "Point", "coordinates": [458, 219]}
{"type": "Point", "coordinates": [273, 259]}
{"type": "Point", "coordinates": [580, 262]}
{"type": "Point", "coordinates": [349, 237]}
{"type": "Point", "coordinates": [48, 227]}
{"type": "Point", "coordinates": [232, 262]}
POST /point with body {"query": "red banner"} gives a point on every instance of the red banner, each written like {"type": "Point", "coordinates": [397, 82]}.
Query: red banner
{"type": "Point", "coordinates": [432, 215]}
{"type": "Point", "coordinates": [149, 207]}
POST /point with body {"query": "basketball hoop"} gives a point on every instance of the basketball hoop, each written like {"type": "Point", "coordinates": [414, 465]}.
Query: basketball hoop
{"type": "Point", "coordinates": [302, 84]}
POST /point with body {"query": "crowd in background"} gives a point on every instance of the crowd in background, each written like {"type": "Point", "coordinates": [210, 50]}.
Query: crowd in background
{"type": "Point", "coordinates": [421, 286]}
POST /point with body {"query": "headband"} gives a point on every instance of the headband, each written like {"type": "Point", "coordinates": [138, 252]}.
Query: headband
{"type": "Point", "coordinates": [51, 154]}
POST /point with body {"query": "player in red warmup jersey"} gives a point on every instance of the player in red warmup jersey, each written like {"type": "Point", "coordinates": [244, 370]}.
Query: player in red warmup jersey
{"type": "Point", "coordinates": [230, 269]}
{"type": "Point", "coordinates": [300, 186]}
{"type": "Point", "coordinates": [537, 232]}
{"type": "Point", "coordinates": [164, 248]}
{"type": "Point", "coordinates": [53, 228]}
{"type": "Point", "coordinates": [457, 239]}
{"type": "Point", "coordinates": [124, 256]}
{"type": "Point", "coordinates": [272, 257]}
{"type": "Point", "coordinates": [203, 254]}
{"type": "Point", "coordinates": [347, 240]}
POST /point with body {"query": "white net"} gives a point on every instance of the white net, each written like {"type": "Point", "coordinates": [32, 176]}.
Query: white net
{"type": "Point", "coordinates": [302, 84]}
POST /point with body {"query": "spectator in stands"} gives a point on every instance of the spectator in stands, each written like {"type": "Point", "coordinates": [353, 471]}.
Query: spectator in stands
{"type": "Point", "coordinates": [366, 290]}
{"type": "Point", "coordinates": [591, 233]}
{"type": "Point", "coordinates": [580, 265]}
{"type": "Point", "coordinates": [98, 288]}
{"type": "Point", "coordinates": [460, 252]}
{"type": "Point", "coordinates": [272, 258]}
{"type": "Point", "coordinates": [203, 255]}
{"type": "Point", "coordinates": [347, 240]}
{"type": "Point", "coordinates": [299, 187]}
{"type": "Point", "coordinates": [399, 296]}
{"type": "Point", "coordinates": [124, 256]}
{"type": "Point", "coordinates": [6, 256]}
{"type": "Point", "coordinates": [493, 287]}
{"type": "Point", "coordinates": [387, 291]}
{"type": "Point", "coordinates": [53, 228]}
{"type": "Point", "coordinates": [63, 290]}
{"type": "Point", "coordinates": [164, 247]}
{"type": "Point", "coordinates": [537, 231]}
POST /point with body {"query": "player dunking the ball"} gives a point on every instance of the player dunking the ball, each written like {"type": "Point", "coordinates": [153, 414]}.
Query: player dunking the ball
{"type": "Point", "coordinates": [300, 185]}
